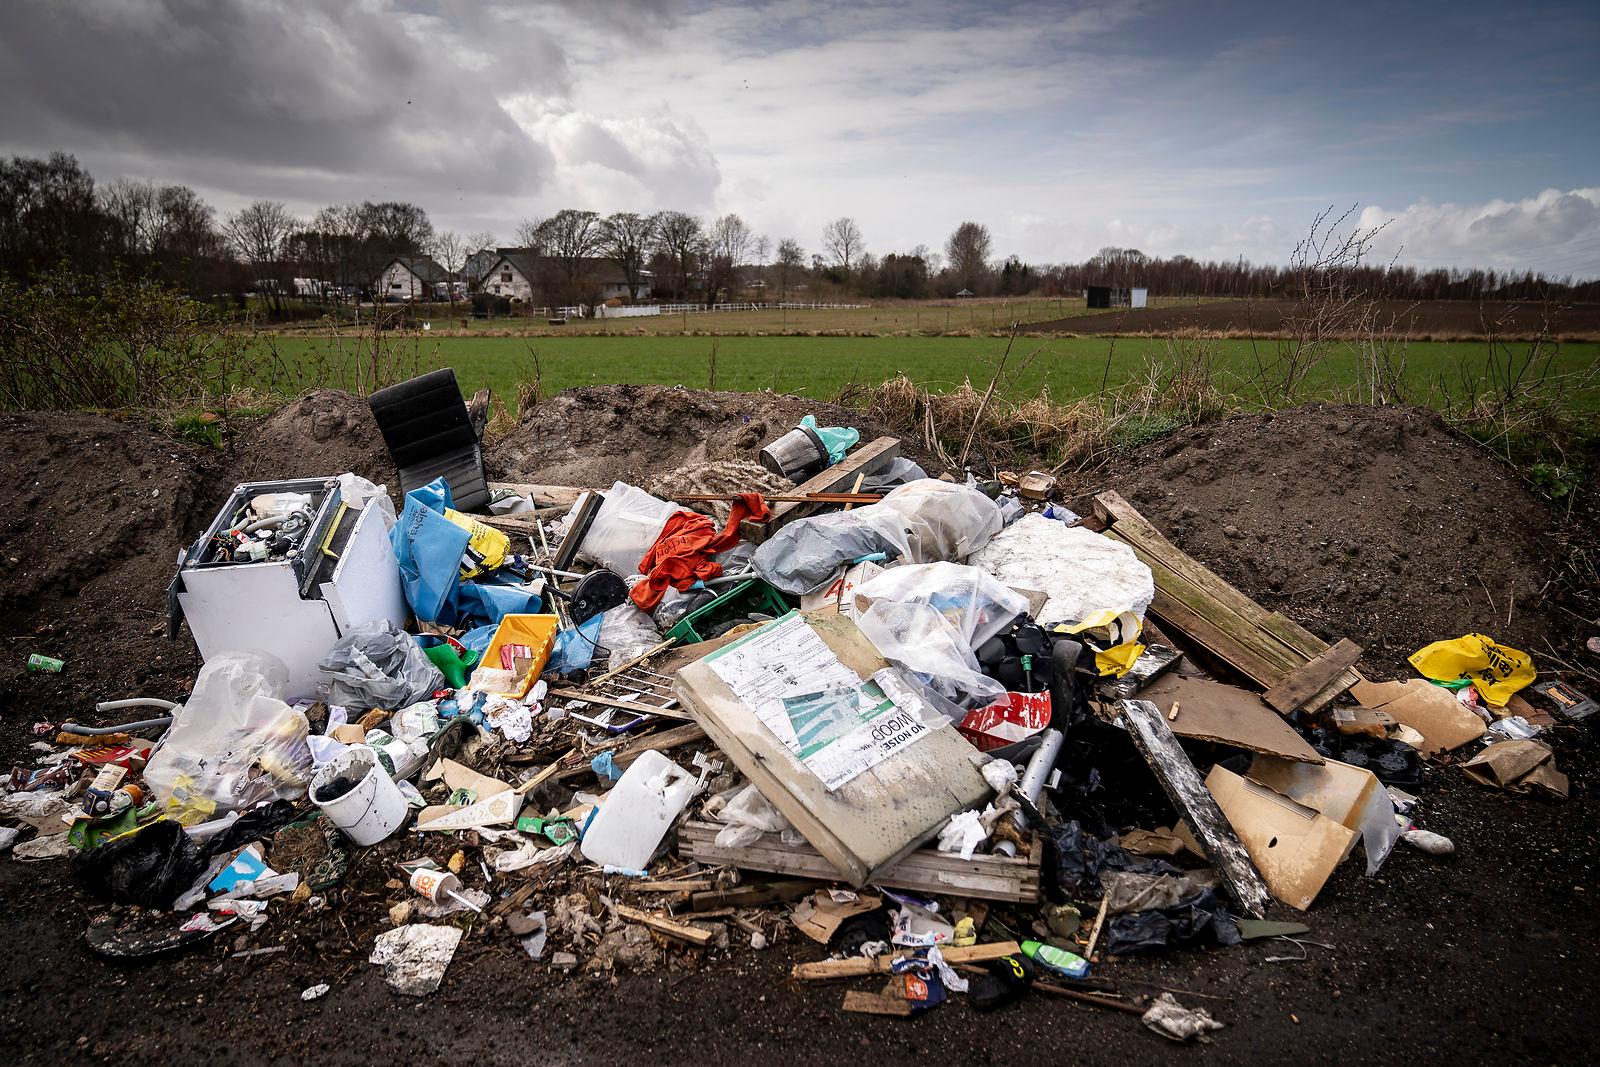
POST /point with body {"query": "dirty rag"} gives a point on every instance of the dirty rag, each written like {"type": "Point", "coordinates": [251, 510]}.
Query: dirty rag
{"type": "Point", "coordinates": [682, 553]}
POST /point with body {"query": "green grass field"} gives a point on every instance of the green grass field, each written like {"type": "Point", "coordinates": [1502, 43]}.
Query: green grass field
{"type": "Point", "coordinates": [821, 366]}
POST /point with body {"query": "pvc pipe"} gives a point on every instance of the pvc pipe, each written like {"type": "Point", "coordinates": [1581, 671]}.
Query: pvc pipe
{"type": "Point", "coordinates": [1034, 779]}
{"type": "Point", "coordinates": [134, 702]}
{"type": "Point", "coordinates": [127, 727]}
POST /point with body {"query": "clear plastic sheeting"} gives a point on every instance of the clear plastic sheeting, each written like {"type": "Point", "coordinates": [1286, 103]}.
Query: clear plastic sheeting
{"type": "Point", "coordinates": [356, 492]}
{"type": "Point", "coordinates": [943, 520]}
{"type": "Point", "coordinates": [234, 744]}
{"type": "Point", "coordinates": [627, 633]}
{"type": "Point", "coordinates": [972, 601]}
{"type": "Point", "coordinates": [805, 555]}
{"type": "Point", "coordinates": [1080, 571]}
{"type": "Point", "coordinates": [919, 638]}
{"type": "Point", "coordinates": [746, 817]}
{"type": "Point", "coordinates": [378, 665]}
{"type": "Point", "coordinates": [624, 528]}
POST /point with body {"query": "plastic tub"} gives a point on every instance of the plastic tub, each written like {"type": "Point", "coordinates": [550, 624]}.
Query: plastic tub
{"type": "Point", "coordinates": [538, 632]}
{"type": "Point", "coordinates": [371, 810]}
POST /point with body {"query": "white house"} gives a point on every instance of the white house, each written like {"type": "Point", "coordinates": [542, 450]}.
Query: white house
{"type": "Point", "coordinates": [515, 272]}
{"type": "Point", "coordinates": [411, 278]}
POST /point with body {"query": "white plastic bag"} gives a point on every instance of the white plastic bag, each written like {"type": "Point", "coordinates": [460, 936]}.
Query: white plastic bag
{"type": "Point", "coordinates": [746, 816]}
{"type": "Point", "coordinates": [808, 553]}
{"type": "Point", "coordinates": [624, 528]}
{"type": "Point", "coordinates": [945, 521]}
{"type": "Point", "coordinates": [234, 743]}
{"type": "Point", "coordinates": [975, 603]}
{"type": "Point", "coordinates": [917, 637]}
{"type": "Point", "coordinates": [1079, 570]}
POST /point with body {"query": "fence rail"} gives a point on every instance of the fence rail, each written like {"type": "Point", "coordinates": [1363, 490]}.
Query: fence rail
{"type": "Point", "coordinates": [698, 309]}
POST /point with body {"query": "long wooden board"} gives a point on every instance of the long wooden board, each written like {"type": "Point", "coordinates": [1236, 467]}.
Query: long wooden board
{"type": "Point", "coordinates": [869, 822]}
{"type": "Point", "coordinates": [987, 877]}
{"type": "Point", "coordinates": [864, 460]}
{"type": "Point", "coordinates": [827, 970]}
{"type": "Point", "coordinates": [1184, 787]}
{"type": "Point", "coordinates": [1304, 684]}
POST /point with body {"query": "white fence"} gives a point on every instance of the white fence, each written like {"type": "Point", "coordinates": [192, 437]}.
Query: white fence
{"type": "Point", "coordinates": [697, 309]}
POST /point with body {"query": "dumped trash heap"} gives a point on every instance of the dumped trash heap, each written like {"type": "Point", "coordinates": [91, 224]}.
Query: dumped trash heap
{"type": "Point", "coordinates": [971, 744]}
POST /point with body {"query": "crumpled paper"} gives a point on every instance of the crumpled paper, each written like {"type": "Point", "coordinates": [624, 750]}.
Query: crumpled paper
{"type": "Point", "coordinates": [1177, 1023]}
{"type": "Point", "coordinates": [415, 957]}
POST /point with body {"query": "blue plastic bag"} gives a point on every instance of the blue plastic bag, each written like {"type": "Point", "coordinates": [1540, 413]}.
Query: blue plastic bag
{"type": "Point", "coordinates": [429, 547]}
{"type": "Point", "coordinates": [574, 649]}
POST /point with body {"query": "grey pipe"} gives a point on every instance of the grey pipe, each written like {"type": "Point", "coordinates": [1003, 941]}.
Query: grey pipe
{"type": "Point", "coordinates": [127, 727]}
{"type": "Point", "coordinates": [134, 702]}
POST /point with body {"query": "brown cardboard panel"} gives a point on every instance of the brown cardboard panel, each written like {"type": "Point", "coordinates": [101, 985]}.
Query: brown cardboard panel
{"type": "Point", "coordinates": [1294, 847]}
{"type": "Point", "coordinates": [1211, 711]}
{"type": "Point", "coordinates": [1432, 712]}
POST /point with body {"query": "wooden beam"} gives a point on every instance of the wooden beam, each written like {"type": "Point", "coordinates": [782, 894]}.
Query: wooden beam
{"type": "Point", "coordinates": [855, 967]}
{"type": "Point", "coordinates": [663, 925]}
{"type": "Point", "coordinates": [627, 705]}
{"type": "Point", "coordinates": [624, 756]}
{"type": "Point", "coordinates": [876, 1004]}
{"type": "Point", "coordinates": [864, 459]}
{"type": "Point", "coordinates": [745, 896]}
{"type": "Point", "coordinates": [1309, 680]}
{"type": "Point", "coordinates": [1183, 786]}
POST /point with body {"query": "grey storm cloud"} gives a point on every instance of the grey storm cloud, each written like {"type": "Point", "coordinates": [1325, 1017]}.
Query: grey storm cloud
{"type": "Point", "coordinates": [286, 98]}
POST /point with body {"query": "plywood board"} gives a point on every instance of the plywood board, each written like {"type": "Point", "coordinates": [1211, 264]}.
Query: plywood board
{"type": "Point", "coordinates": [1211, 711]}
{"type": "Point", "coordinates": [1305, 683]}
{"type": "Point", "coordinates": [874, 819]}
{"type": "Point", "coordinates": [1147, 725]}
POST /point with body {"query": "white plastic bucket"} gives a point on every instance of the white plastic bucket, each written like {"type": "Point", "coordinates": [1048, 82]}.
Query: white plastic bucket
{"type": "Point", "coordinates": [371, 811]}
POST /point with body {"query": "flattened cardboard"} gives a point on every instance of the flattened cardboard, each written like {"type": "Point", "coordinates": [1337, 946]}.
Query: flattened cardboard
{"type": "Point", "coordinates": [1350, 796]}
{"type": "Point", "coordinates": [497, 803]}
{"type": "Point", "coordinates": [1294, 847]}
{"type": "Point", "coordinates": [819, 916]}
{"type": "Point", "coordinates": [1211, 711]}
{"type": "Point", "coordinates": [1423, 706]}
{"type": "Point", "coordinates": [1518, 766]}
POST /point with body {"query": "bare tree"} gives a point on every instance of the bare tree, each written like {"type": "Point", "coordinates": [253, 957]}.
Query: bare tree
{"type": "Point", "coordinates": [729, 243]}
{"type": "Point", "coordinates": [569, 237]}
{"type": "Point", "coordinates": [791, 261]}
{"type": "Point", "coordinates": [967, 252]}
{"type": "Point", "coordinates": [131, 207]}
{"type": "Point", "coordinates": [530, 235]}
{"type": "Point", "coordinates": [841, 239]}
{"type": "Point", "coordinates": [625, 239]}
{"type": "Point", "coordinates": [680, 240]}
{"type": "Point", "coordinates": [450, 252]}
{"type": "Point", "coordinates": [259, 235]}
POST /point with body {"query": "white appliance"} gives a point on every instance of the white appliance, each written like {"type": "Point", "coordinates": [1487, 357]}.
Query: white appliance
{"type": "Point", "coordinates": [297, 608]}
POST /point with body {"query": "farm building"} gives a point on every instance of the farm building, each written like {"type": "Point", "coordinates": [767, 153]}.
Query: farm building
{"type": "Point", "coordinates": [517, 271]}
{"type": "Point", "coordinates": [1106, 296]}
{"type": "Point", "coordinates": [411, 278]}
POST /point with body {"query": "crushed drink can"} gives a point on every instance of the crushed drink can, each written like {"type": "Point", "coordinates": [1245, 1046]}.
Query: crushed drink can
{"type": "Point", "coordinates": [47, 664]}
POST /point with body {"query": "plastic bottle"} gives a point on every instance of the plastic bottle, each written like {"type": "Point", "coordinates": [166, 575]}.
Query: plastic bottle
{"type": "Point", "coordinates": [1055, 959]}
{"type": "Point", "coordinates": [638, 812]}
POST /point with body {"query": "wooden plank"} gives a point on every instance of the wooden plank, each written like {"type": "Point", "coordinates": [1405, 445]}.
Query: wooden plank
{"type": "Point", "coordinates": [523, 525]}
{"type": "Point", "coordinates": [628, 705]}
{"type": "Point", "coordinates": [864, 459]}
{"type": "Point", "coordinates": [691, 886]}
{"type": "Point", "coordinates": [746, 896]}
{"type": "Point", "coordinates": [661, 924]}
{"type": "Point", "coordinates": [1202, 632]}
{"type": "Point", "coordinates": [1183, 786]}
{"type": "Point", "coordinates": [876, 1004]}
{"type": "Point", "coordinates": [988, 877]}
{"type": "Point", "coordinates": [1311, 678]}
{"type": "Point", "coordinates": [543, 495]}
{"type": "Point", "coordinates": [632, 750]}
{"type": "Point", "coordinates": [828, 970]}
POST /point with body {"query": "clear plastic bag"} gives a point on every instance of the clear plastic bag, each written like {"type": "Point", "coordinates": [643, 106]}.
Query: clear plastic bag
{"type": "Point", "coordinates": [746, 817]}
{"type": "Point", "coordinates": [944, 521]}
{"type": "Point", "coordinates": [627, 633]}
{"type": "Point", "coordinates": [377, 665]}
{"type": "Point", "coordinates": [624, 528]}
{"type": "Point", "coordinates": [975, 603]}
{"type": "Point", "coordinates": [234, 743]}
{"type": "Point", "coordinates": [356, 492]}
{"type": "Point", "coordinates": [919, 638]}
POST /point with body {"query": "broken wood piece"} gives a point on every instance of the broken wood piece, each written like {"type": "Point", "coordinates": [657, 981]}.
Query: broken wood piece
{"type": "Point", "coordinates": [1304, 683]}
{"type": "Point", "coordinates": [876, 1004]}
{"type": "Point", "coordinates": [576, 695]}
{"type": "Point", "coordinates": [753, 895]}
{"type": "Point", "coordinates": [1099, 921]}
{"type": "Point", "coordinates": [629, 751]}
{"type": "Point", "coordinates": [1099, 1000]}
{"type": "Point", "coordinates": [984, 876]}
{"type": "Point", "coordinates": [828, 970]}
{"type": "Point", "coordinates": [670, 887]}
{"type": "Point", "coordinates": [1172, 715]}
{"type": "Point", "coordinates": [1223, 850]}
{"type": "Point", "coordinates": [865, 459]}
{"type": "Point", "coordinates": [661, 924]}
{"type": "Point", "coordinates": [547, 495]}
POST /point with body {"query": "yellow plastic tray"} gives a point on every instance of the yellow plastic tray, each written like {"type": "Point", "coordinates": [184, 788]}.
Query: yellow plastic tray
{"type": "Point", "coordinates": [538, 632]}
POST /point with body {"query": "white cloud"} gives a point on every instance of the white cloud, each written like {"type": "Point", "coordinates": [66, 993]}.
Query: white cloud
{"type": "Point", "coordinates": [1555, 232]}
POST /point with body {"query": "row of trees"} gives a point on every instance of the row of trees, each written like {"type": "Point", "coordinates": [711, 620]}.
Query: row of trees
{"type": "Point", "coordinates": [53, 213]}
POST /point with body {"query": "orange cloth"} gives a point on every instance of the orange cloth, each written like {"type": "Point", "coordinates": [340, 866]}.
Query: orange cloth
{"type": "Point", "coordinates": [682, 554]}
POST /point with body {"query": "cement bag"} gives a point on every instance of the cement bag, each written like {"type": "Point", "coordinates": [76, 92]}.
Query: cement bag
{"type": "Point", "coordinates": [1081, 572]}
{"type": "Point", "coordinates": [919, 638]}
{"type": "Point", "coordinates": [974, 603]}
{"type": "Point", "coordinates": [624, 528]}
{"type": "Point", "coordinates": [805, 555]}
{"type": "Point", "coordinates": [377, 665]}
{"type": "Point", "coordinates": [944, 521]}
{"type": "Point", "coordinates": [233, 744]}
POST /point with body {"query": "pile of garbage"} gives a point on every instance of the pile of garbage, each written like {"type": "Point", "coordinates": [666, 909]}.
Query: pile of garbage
{"type": "Point", "coordinates": [970, 744]}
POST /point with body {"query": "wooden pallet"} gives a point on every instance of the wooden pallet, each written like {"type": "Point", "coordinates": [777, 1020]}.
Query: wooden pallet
{"type": "Point", "coordinates": [1264, 646]}
{"type": "Point", "coordinates": [922, 871]}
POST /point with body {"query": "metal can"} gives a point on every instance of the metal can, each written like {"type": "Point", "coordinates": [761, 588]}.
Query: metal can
{"type": "Point", "coordinates": [48, 664]}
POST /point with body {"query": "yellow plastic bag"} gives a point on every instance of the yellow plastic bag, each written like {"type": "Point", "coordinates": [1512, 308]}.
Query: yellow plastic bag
{"type": "Point", "coordinates": [1118, 659]}
{"type": "Point", "coordinates": [1111, 633]}
{"type": "Point", "coordinates": [1494, 670]}
{"type": "Point", "coordinates": [488, 545]}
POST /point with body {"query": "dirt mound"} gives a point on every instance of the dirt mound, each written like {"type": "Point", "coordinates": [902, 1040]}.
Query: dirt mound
{"type": "Point", "coordinates": [596, 435]}
{"type": "Point", "coordinates": [1377, 524]}
{"type": "Point", "coordinates": [100, 512]}
{"type": "Point", "coordinates": [323, 432]}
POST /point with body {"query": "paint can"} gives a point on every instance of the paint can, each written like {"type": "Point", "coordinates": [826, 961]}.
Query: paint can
{"type": "Point", "coordinates": [797, 455]}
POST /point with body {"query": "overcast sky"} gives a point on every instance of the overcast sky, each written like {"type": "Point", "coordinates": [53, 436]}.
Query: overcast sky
{"type": "Point", "coordinates": [1216, 130]}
